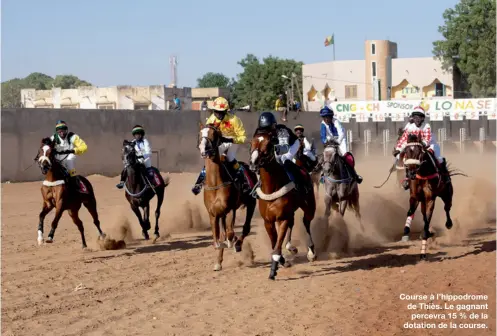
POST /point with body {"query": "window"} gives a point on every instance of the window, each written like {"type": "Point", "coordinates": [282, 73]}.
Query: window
{"type": "Point", "coordinates": [70, 106]}
{"type": "Point", "coordinates": [373, 49]}
{"type": "Point", "coordinates": [373, 69]}
{"type": "Point", "coordinates": [439, 90]}
{"type": "Point", "coordinates": [350, 91]}
{"type": "Point", "coordinates": [108, 106]}
{"type": "Point", "coordinates": [141, 106]}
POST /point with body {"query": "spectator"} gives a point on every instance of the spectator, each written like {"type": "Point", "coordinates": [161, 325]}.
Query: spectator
{"type": "Point", "coordinates": [203, 106]}
{"type": "Point", "coordinates": [279, 106]}
{"type": "Point", "coordinates": [177, 103]}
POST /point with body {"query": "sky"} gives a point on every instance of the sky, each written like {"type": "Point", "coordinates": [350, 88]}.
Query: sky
{"type": "Point", "coordinates": [128, 42]}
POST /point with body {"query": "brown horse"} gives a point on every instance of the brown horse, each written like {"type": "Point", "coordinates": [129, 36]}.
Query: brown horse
{"type": "Point", "coordinates": [399, 164]}
{"type": "Point", "coordinates": [426, 183]}
{"type": "Point", "coordinates": [140, 187]}
{"type": "Point", "coordinates": [278, 199]}
{"type": "Point", "coordinates": [60, 192]}
{"type": "Point", "coordinates": [222, 195]}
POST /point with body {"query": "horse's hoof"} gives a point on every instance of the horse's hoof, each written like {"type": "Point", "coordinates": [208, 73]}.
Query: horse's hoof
{"type": "Point", "coordinates": [292, 249]}
{"type": "Point", "coordinates": [423, 256]}
{"type": "Point", "coordinates": [49, 240]}
{"type": "Point", "coordinates": [404, 239]}
{"type": "Point", "coordinates": [287, 264]}
{"type": "Point", "coordinates": [40, 241]}
{"type": "Point", "coordinates": [102, 236]}
{"type": "Point", "coordinates": [218, 267]}
{"type": "Point", "coordinates": [145, 235]}
{"type": "Point", "coordinates": [238, 247]}
{"type": "Point", "coordinates": [448, 225]}
{"type": "Point", "coordinates": [271, 277]}
{"type": "Point", "coordinates": [228, 243]}
{"type": "Point", "coordinates": [311, 256]}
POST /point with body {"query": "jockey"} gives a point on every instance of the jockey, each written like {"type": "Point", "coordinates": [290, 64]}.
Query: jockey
{"type": "Point", "coordinates": [332, 130]}
{"type": "Point", "coordinates": [67, 146]}
{"type": "Point", "coordinates": [287, 146]}
{"type": "Point", "coordinates": [143, 152]}
{"type": "Point", "coordinates": [308, 148]}
{"type": "Point", "coordinates": [423, 130]}
{"type": "Point", "coordinates": [233, 135]}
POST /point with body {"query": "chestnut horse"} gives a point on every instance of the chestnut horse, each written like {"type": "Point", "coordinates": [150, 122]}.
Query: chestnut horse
{"type": "Point", "coordinates": [278, 199]}
{"type": "Point", "coordinates": [58, 192]}
{"type": "Point", "coordinates": [222, 195]}
{"type": "Point", "coordinates": [425, 184]}
{"type": "Point", "coordinates": [140, 187]}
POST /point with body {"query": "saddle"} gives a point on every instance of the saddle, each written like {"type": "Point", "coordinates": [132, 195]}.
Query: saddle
{"type": "Point", "coordinates": [152, 176]}
{"type": "Point", "coordinates": [74, 182]}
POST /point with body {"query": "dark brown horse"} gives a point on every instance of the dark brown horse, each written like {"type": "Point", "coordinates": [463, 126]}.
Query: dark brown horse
{"type": "Point", "coordinates": [140, 187]}
{"type": "Point", "coordinates": [313, 168]}
{"type": "Point", "coordinates": [426, 183]}
{"type": "Point", "coordinates": [278, 199]}
{"type": "Point", "coordinates": [222, 195]}
{"type": "Point", "coordinates": [59, 191]}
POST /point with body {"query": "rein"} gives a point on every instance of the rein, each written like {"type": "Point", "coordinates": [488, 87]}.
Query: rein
{"type": "Point", "coordinates": [332, 180]}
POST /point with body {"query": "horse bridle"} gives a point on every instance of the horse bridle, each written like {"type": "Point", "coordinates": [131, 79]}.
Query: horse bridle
{"type": "Point", "coordinates": [411, 173]}
{"type": "Point", "coordinates": [211, 148]}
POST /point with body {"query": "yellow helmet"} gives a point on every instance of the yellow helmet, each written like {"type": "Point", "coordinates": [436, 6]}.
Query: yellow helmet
{"type": "Point", "coordinates": [220, 104]}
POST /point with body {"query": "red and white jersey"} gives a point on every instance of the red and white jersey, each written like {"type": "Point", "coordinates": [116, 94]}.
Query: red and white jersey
{"type": "Point", "coordinates": [424, 132]}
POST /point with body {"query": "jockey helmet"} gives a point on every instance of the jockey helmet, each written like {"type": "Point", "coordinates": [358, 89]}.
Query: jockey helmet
{"type": "Point", "coordinates": [326, 112]}
{"type": "Point", "coordinates": [138, 129]}
{"type": "Point", "coordinates": [220, 104]}
{"type": "Point", "coordinates": [418, 111]}
{"type": "Point", "coordinates": [60, 125]}
{"type": "Point", "coordinates": [266, 120]}
{"type": "Point", "coordinates": [298, 127]}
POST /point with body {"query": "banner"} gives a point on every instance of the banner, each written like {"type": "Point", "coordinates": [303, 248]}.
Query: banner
{"type": "Point", "coordinates": [398, 110]}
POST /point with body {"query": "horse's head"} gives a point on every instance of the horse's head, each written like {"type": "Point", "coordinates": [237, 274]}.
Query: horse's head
{"type": "Point", "coordinates": [129, 154]}
{"type": "Point", "coordinates": [46, 155]}
{"type": "Point", "coordinates": [413, 155]}
{"type": "Point", "coordinates": [329, 155]}
{"type": "Point", "coordinates": [209, 140]}
{"type": "Point", "coordinates": [261, 149]}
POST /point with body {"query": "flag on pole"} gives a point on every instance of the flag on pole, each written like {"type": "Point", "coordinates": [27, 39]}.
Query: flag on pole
{"type": "Point", "coordinates": [329, 40]}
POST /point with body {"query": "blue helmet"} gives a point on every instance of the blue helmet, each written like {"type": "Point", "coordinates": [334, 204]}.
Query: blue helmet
{"type": "Point", "coordinates": [326, 112]}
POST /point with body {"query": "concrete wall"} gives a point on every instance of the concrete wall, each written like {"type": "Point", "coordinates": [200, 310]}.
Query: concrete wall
{"type": "Point", "coordinates": [173, 134]}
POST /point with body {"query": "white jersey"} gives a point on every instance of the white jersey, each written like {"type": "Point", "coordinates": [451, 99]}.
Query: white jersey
{"type": "Point", "coordinates": [143, 148]}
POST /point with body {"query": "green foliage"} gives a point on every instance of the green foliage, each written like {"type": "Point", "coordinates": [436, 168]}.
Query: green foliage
{"type": "Point", "coordinates": [212, 80]}
{"type": "Point", "coordinates": [469, 44]}
{"type": "Point", "coordinates": [11, 89]}
{"type": "Point", "coordinates": [260, 83]}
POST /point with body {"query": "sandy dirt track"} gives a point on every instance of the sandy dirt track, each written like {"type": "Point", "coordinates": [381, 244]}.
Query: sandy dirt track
{"type": "Point", "coordinates": [169, 288]}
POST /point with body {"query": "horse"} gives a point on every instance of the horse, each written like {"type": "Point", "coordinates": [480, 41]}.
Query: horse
{"type": "Point", "coordinates": [222, 195]}
{"type": "Point", "coordinates": [58, 192]}
{"type": "Point", "coordinates": [140, 187]}
{"type": "Point", "coordinates": [313, 168]}
{"type": "Point", "coordinates": [425, 185]}
{"type": "Point", "coordinates": [278, 199]}
{"type": "Point", "coordinates": [341, 190]}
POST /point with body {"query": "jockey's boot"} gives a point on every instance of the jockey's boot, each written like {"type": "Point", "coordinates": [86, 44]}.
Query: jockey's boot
{"type": "Point", "coordinates": [291, 170]}
{"type": "Point", "coordinates": [355, 176]}
{"type": "Point", "coordinates": [120, 185]}
{"type": "Point", "coordinates": [405, 183]}
{"type": "Point", "coordinates": [238, 175]}
{"type": "Point", "coordinates": [198, 184]}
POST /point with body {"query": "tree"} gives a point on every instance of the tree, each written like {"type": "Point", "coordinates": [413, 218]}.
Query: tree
{"type": "Point", "coordinates": [211, 80]}
{"type": "Point", "coordinates": [469, 44]}
{"type": "Point", "coordinates": [11, 89]}
{"type": "Point", "coordinates": [260, 83]}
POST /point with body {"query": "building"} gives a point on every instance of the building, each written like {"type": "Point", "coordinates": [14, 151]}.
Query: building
{"type": "Point", "coordinates": [154, 97]}
{"type": "Point", "coordinates": [380, 76]}
{"type": "Point", "coordinates": [208, 94]}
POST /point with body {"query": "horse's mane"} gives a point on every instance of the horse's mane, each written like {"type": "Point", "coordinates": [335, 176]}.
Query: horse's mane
{"type": "Point", "coordinates": [47, 141]}
{"type": "Point", "coordinates": [261, 131]}
{"type": "Point", "coordinates": [413, 138]}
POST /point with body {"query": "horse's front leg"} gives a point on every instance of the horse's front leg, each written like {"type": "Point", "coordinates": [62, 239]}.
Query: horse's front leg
{"type": "Point", "coordinates": [47, 207]}
{"type": "Point", "coordinates": [277, 257]}
{"type": "Point", "coordinates": [59, 210]}
{"type": "Point", "coordinates": [138, 215]}
{"type": "Point", "coordinates": [214, 220]}
{"type": "Point", "coordinates": [413, 205]}
{"type": "Point", "coordinates": [289, 247]}
{"type": "Point", "coordinates": [427, 208]}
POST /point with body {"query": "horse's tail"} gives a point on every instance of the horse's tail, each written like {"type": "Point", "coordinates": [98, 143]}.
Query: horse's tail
{"type": "Point", "coordinates": [455, 171]}
{"type": "Point", "coordinates": [166, 180]}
